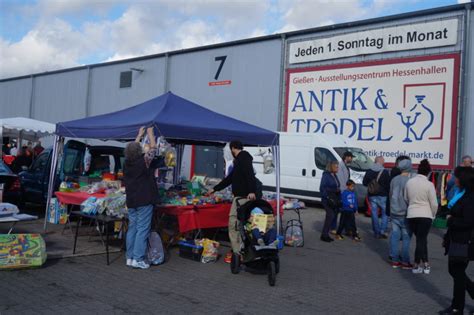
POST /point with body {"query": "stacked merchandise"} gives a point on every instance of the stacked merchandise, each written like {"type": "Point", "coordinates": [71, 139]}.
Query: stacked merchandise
{"type": "Point", "coordinates": [57, 212]}
{"type": "Point", "coordinates": [192, 193]}
{"type": "Point", "coordinates": [113, 205]}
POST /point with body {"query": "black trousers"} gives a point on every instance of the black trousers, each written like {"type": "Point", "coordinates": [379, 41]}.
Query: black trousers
{"type": "Point", "coordinates": [347, 223]}
{"type": "Point", "coordinates": [420, 227]}
{"type": "Point", "coordinates": [462, 283]}
{"type": "Point", "coordinates": [330, 214]}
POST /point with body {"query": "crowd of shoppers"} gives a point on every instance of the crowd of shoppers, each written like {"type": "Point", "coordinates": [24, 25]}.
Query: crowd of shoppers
{"type": "Point", "coordinates": [409, 199]}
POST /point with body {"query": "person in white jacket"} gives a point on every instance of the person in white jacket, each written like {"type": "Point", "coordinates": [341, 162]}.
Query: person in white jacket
{"type": "Point", "coordinates": [420, 195]}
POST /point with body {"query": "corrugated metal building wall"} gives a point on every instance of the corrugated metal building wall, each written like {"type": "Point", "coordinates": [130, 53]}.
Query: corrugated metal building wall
{"type": "Point", "coordinates": [254, 71]}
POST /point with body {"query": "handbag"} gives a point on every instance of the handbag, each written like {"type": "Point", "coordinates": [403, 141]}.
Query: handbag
{"type": "Point", "coordinates": [334, 200]}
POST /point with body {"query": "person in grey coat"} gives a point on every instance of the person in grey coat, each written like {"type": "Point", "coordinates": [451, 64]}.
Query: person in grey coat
{"type": "Point", "coordinates": [398, 216]}
{"type": "Point", "coordinates": [344, 173]}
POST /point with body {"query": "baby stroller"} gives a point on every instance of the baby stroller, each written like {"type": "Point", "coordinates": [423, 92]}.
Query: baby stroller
{"type": "Point", "coordinates": [254, 256]}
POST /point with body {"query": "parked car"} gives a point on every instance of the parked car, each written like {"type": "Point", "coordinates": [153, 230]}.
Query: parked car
{"type": "Point", "coordinates": [11, 185]}
{"type": "Point", "coordinates": [34, 181]}
{"type": "Point", "coordinates": [304, 157]}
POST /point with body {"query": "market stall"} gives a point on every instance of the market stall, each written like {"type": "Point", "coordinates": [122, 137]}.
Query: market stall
{"type": "Point", "coordinates": [180, 122]}
{"type": "Point", "coordinates": [21, 128]}
{"type": "Point", "coordinates": [25, 128]}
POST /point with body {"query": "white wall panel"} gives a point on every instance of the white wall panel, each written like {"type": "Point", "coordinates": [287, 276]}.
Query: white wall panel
{"type": "Point", "coordinates": [15, 98]}
{"type": "Point", "coordinates": [60, 96]}
{"type": "Point", "coordinates": [254, 72]}
{"type": "Point", "coordinates": [107, 96]}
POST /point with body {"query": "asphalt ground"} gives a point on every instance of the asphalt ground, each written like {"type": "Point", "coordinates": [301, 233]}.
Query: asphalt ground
{"type": "Point", "coordinates": [319, 278]}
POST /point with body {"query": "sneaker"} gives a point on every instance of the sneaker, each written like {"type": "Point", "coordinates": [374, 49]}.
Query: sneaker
{"type": "Point", "coordinates": [357, 238]}
{"type": "Point", "coordinates": [417, 270]}
{"type": "Point", "coordinates": [339, 237]}
{"type": "Point", "coordinates": [396, 265]}
{"type": "Point", "coordinates": [333, 232]}
{"type": "Point", "coordinates": [427, 269]}
{"type": "Point", "coordinates": [383, 236]}
{"type": "Point", "coordinates": [407, 266]}
{"type": "Point", "coordinates": [129, 262]}
{"type": "Point", "coordinates": [140, 265]}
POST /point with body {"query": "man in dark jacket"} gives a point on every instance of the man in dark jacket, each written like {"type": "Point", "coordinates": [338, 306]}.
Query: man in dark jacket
{"type": "Point", "coordinates": [378, 199]}
{"type": "Point", "coordinates": [244, 187]}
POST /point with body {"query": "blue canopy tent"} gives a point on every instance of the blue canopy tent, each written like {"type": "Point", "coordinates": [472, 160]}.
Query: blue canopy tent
{"type": "Point", "coordinates": [175, 118]}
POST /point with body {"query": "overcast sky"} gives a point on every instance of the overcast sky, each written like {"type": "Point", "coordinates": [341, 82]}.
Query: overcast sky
{"type": "Point", "coordinates": [45, 35]}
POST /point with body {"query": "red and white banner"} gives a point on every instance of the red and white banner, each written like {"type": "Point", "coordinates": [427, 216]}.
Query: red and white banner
{"type": "Point", "coordinates": [389, 107]}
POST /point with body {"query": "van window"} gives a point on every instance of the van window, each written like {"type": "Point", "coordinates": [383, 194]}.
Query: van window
{"type": "Point", "coordinates": [102, 163]}
{"type": "Point", "coordinates": [360, 162]}
{"type": "Point", "coordinates": [72, 161]}
{"type": "Point", "coordinates": [322, 157]}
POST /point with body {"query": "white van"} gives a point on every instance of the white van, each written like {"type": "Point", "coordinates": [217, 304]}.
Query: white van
{"type": "Point", "coordinates": [304, 157]}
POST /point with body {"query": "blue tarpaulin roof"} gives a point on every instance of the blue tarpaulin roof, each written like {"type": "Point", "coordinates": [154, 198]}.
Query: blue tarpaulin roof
{"type": "Point", "coordinates": [173, 117]}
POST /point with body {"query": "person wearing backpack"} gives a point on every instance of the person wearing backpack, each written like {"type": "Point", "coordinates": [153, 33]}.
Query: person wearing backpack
{"type": "Point", "coordinates": [377, 180]}
{"type": "Point", "coordinates": [398, 217]}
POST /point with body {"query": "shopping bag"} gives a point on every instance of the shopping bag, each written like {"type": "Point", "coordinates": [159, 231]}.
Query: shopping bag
{"type": "Point", "coordinates": [210, 251]}
{"type": "Point", "coordinates": [21, 251]}
{"type": "Point", "coordinates": [156, 252]}
{"type": "Point", "coordinates": [294, 233]}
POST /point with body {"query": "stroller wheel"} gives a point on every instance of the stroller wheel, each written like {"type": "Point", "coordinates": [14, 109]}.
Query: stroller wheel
{"type": "Point", "coordinates": [271, 273]}
{"type": "Point", "coordinates": [235, 264]}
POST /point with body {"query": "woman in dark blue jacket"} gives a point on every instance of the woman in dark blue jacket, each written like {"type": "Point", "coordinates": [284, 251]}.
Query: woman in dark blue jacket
{"type": "Point", "coordinates": [330, 189]}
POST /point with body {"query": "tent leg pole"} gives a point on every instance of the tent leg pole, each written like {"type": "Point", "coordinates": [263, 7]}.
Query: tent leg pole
{"type": "Point", "coordinates": [277, 179]}
{"type": "Point", "coordinates": [52, 175]}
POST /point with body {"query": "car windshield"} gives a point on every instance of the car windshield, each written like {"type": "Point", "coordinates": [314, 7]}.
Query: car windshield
{"type": "Point", "coordinates": [360, 162]}
{"type": "Point", "coordinates": [4, 169]}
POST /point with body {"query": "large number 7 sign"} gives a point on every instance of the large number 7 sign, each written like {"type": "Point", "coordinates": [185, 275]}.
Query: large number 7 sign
{"type": "Point", "coordinates": [222, 60]}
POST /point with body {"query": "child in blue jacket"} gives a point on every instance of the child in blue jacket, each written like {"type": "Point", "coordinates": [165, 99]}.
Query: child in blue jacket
{"type": "Point", "coordinates": [348, 211]}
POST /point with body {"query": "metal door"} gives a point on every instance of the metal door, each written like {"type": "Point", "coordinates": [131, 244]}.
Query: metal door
{"type": "Point", "coordinates": [209, 161]}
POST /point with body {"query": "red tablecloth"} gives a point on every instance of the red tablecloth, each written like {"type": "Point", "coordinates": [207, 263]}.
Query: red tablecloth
{"type": "Point", "coordinates": [75, 198]}
{"type": "Point", "coordinates": [204, 216]}
{"type": "Point", "coordinates": [189, 217]}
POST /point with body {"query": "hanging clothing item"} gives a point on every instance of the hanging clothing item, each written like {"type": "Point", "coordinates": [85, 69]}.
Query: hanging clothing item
{"type": "Point", "coordinates": [444, 200]}
{"type": "Point", "coordinates": [456, 197]}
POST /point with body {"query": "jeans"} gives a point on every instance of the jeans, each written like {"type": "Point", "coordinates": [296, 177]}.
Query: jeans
{"type": "Point", "coordinates": [347, 223]}
{"type": "Point", "coordinates": [375, 203]}
{"type": "Point", "coordinates": [268, 237]}
{"type": "Point", "coordinates": [462, 283]}
{"type": "Point", "coordinates": [420, 227]}
{"type": "Point", "coordinates": [139, 225]}
{"type": "Point", "coordinates": [400, 231]}
{"type": "Point", "coordinates": [330, 214]}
